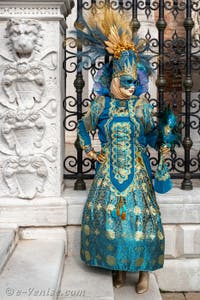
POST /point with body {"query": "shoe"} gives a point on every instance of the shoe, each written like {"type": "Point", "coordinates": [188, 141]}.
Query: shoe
{"type": "Point", "coordinates": [119, 279]}
{"type": "Point", "coordinates": [142, 285]}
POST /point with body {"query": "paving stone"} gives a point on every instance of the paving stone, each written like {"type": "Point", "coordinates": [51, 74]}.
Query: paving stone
{"type": "Point", "coordinates": [173, 296]}
{"type": "Point", "coordinates": [192, 296]}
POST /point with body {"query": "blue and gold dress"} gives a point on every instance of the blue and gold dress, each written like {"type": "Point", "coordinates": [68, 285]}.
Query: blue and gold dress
{"type": "Point", "coordinates": [121, 222]}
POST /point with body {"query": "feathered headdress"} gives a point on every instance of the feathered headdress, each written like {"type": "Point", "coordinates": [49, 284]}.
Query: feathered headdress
{"type": "Point", "coordinates": [108, 32]}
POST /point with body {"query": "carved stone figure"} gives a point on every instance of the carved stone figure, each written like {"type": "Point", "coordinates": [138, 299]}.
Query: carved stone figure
{"type": "Point", "coordinates": [22, 130]}
{"type": "Point", "coordinates": [25, 176]}
{"type": "Point", "coordinates": [23, 77]}
{"type": "Point", "coordinates": [24, 37]}
{"type": "Point", "coordinates": [23, 83]}
{"type": "Point", "coordinates": [196, 32]}
{"type": "Point", "coordinates": [196, 28]}
{"type": "Point", "coordinates": [26, 105]}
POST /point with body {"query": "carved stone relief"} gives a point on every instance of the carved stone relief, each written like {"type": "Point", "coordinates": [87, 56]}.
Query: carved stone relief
{"type": "Point", "coordinates": [196, 31]}
{"type": "Point", "coordinates": [25, 176]}
{"type": "Point", "coordinates": [196, 28]}
{"type": "Point", "coordinates": [26, 106]}
{"type": "Point", "coordinates": [22, 131]}
{"type": "Point", "coordinates": [35, 9]}
{"type": "Point", "coordinates": [49, 11]}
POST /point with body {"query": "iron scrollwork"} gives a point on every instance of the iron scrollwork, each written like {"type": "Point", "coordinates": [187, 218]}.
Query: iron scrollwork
{"type": "Point", "coordinates": [174, 56]}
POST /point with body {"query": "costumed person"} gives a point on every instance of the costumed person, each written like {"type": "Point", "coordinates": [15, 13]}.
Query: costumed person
{"type": "Point", "coordinates": [121, 222]}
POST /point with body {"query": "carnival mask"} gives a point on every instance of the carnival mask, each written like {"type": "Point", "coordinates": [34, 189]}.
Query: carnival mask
{"type": "Point", "coordinates": [127, 81]}
{"type": "Point", "coordinates": [127, 85]}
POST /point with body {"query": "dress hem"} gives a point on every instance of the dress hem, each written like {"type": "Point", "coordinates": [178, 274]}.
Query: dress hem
{"type": "Point", "coordinates": [120, 269]}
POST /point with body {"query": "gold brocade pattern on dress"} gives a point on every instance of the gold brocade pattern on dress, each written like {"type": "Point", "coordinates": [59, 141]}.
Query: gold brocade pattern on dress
{"type": "Point", "coordinates": [136, 242]}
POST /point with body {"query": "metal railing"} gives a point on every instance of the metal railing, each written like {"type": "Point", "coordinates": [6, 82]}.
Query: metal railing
{"type": "Point", "coordinates": [178, 60]}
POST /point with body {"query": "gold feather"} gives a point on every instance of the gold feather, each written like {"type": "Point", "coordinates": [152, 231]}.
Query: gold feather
{"type": "Point", "coordinates": [110, 50]}
{"type": "Point", "coordinates": [114, 26]}
{"type": "Point", "coordinates": [105, 18]}
{"type": "Point", "coordinates": [109, 44]}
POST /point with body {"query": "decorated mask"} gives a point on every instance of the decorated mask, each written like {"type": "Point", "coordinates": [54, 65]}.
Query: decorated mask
{"type": "Point", "coordinates": [127, 81]}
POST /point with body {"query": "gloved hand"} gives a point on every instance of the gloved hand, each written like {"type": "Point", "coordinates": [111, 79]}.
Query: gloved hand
{"type": "Point", "coordinates": [100, 157]}
{"type": "Point", "coordinates": [165, 150]}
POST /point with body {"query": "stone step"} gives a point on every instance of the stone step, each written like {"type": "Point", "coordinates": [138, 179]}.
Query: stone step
{"type": "Point", "coordinates": [40, 211]}
{"type": "Point", "coordinates": [128, 292]}
{"type": "Point", "coordinates": [177, 206]}
{"type": "Point", "coordinates": [34, 271]}
{"type": "Point", "coordinates": [84, 282]}
{"type": "Point", "coordinates": [8, 241]}
{"type": "Point", "coordinates": [180, 275]}
{"type": "Point", "coordinates": [41, 233]}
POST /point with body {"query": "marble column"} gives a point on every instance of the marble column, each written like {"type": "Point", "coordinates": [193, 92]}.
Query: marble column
{"type": "Point", "coordinates": [31, 95]}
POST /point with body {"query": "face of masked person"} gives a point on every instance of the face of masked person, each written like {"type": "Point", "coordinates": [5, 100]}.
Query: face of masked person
{"type": "Point", "coordinates": [127, 81]}
{"type": "Point", "coordinates": [123, 87]}
{"type": "Point", "coordinates": [127, 85]}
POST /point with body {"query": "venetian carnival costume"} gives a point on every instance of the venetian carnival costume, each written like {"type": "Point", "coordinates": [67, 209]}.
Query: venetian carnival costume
{"type": "Point", "coordinates": [121, 222]}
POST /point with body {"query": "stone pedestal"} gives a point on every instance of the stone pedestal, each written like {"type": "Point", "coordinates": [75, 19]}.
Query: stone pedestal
{"type": "Point", "coordinates": [31, 95]}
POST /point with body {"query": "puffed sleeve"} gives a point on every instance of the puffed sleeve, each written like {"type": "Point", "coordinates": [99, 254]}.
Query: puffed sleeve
{"type": "Point", "coordinates": [89, 123]}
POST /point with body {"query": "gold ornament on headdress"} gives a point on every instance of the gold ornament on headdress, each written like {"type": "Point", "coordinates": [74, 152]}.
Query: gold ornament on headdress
{"type": "Point", "coordinates": [128, 69]}
{"type": "Point", "coordinates": [115, 28]}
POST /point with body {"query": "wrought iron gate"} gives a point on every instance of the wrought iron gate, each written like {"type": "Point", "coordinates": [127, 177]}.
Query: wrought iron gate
{"type": "Point", "coordinates": [177, 50]}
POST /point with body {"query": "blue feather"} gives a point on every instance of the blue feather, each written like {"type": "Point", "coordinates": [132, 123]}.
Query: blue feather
{"type": "Point", "coordinates": [169, 131]}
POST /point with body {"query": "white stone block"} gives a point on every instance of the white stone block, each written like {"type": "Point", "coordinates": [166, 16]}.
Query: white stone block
{"type": "Point", "coordinates": [50, 211]}
{"type": "Point", "coordinates": [177, 206]}
{"type": "Point", "coordinates": [191, 240]}
{"type": "Point", "coordinates": [75, 214]}
{"type": "Point", "coordinates": [44, 233]}
{"type": "Point", "coordinates": [83, 282]}
{"type": "Point", "coordinates": [75, 203]}
{"type": "Point", "coordinates": [9, 226]}
{"type": "Point", "coordinates": [180, 213]}
{"type": "Point", "coordinates": [73, 240]}
{"type": "Point", "coordinates": [34, 271]}
{"type": "Point", "coordinates": [179, 275]}
{"type": "Point", "coordinates": [172, 247]}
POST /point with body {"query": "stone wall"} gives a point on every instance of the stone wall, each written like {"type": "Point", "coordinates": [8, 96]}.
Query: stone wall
{"type": "Point", "coordinates": [31, 110]}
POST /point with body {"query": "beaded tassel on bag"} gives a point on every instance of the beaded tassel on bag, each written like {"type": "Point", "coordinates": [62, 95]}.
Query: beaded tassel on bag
{"type": "Point", "coordinates": [120, 209]}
